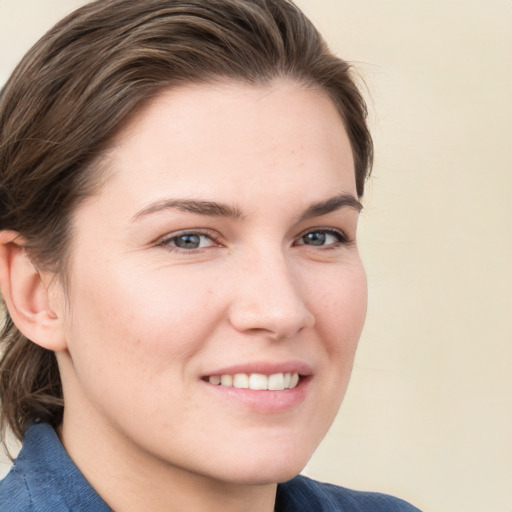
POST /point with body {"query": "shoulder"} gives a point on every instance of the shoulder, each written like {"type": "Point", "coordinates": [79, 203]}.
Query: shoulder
{"type": "Point", "coordinates": [43, 477]}
{"type": "Point", "coordinates": [14, 493]}
{"type": "Point", "coordinates": [321, 497]}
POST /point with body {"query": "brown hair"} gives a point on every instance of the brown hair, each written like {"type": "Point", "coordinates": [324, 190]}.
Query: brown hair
{"type": "Point", "coordinates": [77, 86]}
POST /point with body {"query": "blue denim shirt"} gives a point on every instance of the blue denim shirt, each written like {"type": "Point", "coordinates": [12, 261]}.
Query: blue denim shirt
{"type": "Point", "coordinates": [45, 479]}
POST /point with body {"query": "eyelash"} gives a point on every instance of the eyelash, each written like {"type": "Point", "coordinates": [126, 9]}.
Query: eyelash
{"type": "Point", "coordinates": [166, 241]}
{"type": "Point", "coordinates": [341, 239]}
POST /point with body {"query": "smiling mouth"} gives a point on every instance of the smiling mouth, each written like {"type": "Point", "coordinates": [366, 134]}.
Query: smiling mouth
{"type": "Point", "coordinates": [256, 381]}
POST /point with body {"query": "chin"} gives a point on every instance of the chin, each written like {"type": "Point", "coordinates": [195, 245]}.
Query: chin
{"type": "Point", "coordinates": [265, 469]}
{"type": "Point", "coordinates": [266, 475]}
{"type": "Point", "coordinates": [263, 456]}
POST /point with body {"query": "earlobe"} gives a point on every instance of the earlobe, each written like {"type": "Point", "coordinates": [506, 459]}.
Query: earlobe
{"type": "Point", "coordinates": [25, 293]}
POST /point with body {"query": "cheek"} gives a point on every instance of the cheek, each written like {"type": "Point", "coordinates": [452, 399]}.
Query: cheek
{"type": "Point", "coordinates": [137, 326]}
{"type": "Point", "coordinates": [341, 310]}
{"type": "Point", "coordinates": [131, 345]}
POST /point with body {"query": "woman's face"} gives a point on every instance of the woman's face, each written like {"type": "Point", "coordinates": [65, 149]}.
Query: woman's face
{"type": "Point", "coordinates": [221, 248]}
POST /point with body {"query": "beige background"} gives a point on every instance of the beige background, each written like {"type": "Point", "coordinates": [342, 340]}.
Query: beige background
{"type": "Point", "coordinates": [428, 415]}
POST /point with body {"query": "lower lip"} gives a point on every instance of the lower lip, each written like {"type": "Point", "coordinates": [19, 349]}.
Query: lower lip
{"type": "Point", "coordinates": [266, 402]}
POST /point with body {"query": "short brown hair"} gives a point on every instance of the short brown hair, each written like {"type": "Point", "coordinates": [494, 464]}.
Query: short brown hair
{"type": "Point", "coordinates": [77, 86]}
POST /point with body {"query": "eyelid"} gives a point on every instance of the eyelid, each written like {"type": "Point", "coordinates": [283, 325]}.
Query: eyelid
{"type": "Point", "coordinates": [164, 241]}
{"type": "Point", "coordinates": [344, 239]}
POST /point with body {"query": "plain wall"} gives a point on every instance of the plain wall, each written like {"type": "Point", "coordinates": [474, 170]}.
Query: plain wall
{"type": "Point", "coordinates": [428, 415]}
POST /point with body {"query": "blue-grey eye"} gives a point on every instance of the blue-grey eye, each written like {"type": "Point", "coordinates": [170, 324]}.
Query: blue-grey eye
{"type": "Point", "coordinates": [315, 238]}
{"type": "Point", "coordinates": [320, 238]}
{"type": "Point", "coordinates": [187, 241]}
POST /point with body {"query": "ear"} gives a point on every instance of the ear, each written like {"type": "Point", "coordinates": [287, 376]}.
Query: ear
{"type": "Point", "coordinates": [26, 294]}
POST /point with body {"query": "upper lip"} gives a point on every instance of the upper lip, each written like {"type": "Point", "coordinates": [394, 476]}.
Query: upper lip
{"type": "Point", "coordinates": [265, 368]}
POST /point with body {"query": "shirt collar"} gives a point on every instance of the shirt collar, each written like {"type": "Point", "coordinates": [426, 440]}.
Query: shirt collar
{"type": "Point", "coordinates": [51, 476]}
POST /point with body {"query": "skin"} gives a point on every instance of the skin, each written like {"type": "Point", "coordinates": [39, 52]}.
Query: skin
{"type": "Point", "coordinates": [144, 321]}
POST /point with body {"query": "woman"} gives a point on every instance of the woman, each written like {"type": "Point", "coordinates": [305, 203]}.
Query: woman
{"type": "Point", "coordinates": [181, 184]}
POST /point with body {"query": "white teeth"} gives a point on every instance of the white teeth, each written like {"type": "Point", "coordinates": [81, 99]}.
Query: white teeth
{"type": "Point", "coordinates": [226, 380]}
{"type": "Point", "coordinates": [215, 380]}
{"type": "Point", "coordinates": [257, 381]}
{"type": "Point", "coordinates": [276, 382]}
{"type": "Point", "coordinates": [241, 381]}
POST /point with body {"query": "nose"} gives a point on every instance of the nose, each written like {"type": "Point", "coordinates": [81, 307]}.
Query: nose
{"type": "Point", "coordinates": [268, 299]}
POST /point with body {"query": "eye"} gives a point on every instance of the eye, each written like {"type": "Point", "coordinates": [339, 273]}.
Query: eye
{"type": "Point", "coordinates": [187, 241]}
{"type": "Point", "coordinates": [323, 238]}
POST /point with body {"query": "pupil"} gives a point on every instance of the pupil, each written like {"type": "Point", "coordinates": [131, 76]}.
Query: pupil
{"type": "Point", "coordinates": [315, 238]}
{"type": "Point", "coordinates": [188, 241]}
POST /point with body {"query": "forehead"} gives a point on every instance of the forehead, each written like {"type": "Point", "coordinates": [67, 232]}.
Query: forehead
{"type": "Point", "coordinates": [229, 137]}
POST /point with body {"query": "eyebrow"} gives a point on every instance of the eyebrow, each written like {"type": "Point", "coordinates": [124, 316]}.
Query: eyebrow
{"type": "Point", "coordinates": [331, 205]}
{"type": "Point", "coordinates": [209, 208]}
{"type": "Point", "coordinates": [215, 209]}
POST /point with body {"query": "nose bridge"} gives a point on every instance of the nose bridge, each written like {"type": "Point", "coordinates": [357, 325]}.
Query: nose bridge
{"type": "Point", "coordinates": [268, 296]}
